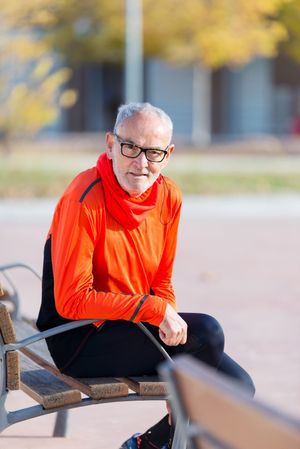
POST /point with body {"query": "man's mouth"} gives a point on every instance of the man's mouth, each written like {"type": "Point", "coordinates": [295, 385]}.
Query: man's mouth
{"type": "Point", "coordinates": [138, 175]}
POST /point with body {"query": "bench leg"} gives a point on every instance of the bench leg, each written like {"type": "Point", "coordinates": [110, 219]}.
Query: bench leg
{"type": "Point", "coordinates": [61, 424]}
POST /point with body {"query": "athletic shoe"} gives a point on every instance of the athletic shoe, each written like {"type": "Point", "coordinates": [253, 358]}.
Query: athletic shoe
{"type": "Point", "coordinates": [132, 443]}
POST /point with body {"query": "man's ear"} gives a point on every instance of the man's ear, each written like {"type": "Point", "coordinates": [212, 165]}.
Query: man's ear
{"type": "Point", "coordinates": [167, 158]}
{"type": "Point", "coordinates": [109, 141]}
{"type": "Point", "coordinates": [170, 150]}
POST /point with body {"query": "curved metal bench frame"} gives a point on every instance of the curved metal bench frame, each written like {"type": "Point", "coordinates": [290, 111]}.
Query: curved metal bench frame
{"type": "Point", "coordinates": [8, 418]}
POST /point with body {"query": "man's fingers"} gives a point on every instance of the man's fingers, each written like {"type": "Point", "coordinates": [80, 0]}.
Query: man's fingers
{"type": "Point", "coordinates": [173, 340]}
{"type": "Point", "coordinates": [184, 337]}
{"type": "Point", "coordinates": [173, 328]}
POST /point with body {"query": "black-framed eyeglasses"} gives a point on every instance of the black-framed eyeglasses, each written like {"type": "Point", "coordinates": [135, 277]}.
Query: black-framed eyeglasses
{"type": "Point", "coordinates": [132, 151]}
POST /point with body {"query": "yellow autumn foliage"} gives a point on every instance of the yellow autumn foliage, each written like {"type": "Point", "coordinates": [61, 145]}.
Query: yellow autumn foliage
{"type": "Point", "coordinates": [68, 98]}
{"type": "Point", "coordinates": [31, 85]}
{"type": "Point", "coordinates": [215, 32]}
{"type": "Point", "coordinates": [32, 104]}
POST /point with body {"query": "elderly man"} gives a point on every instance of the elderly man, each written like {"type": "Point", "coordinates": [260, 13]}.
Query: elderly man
{"type": "Point", "coordinates": [109, 255]}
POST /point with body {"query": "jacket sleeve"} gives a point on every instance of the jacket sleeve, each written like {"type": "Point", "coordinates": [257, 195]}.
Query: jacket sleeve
{"type": "Point", "coordinates": [74, 237]}
{"type": "Point", "coordinates": [162, 283]}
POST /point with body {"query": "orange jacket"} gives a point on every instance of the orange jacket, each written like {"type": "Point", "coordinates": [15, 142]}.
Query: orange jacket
{"type": "Point", "coordinates": [104, 270]}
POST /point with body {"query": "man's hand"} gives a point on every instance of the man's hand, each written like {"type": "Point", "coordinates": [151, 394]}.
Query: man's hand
{"type": "Point", "coordinates": [172, 329]}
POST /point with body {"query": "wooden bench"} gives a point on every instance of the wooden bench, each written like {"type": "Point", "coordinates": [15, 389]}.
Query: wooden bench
{"type": "Point", "coordinates": [212, 412]}
{"type": "Point", "coordinates": [26, 363]}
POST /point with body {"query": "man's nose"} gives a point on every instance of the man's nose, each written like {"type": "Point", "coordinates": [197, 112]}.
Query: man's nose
{"type": "Point", "coordinates": [141, 160]}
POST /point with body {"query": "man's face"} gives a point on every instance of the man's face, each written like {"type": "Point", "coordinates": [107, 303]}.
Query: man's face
{"type": "Point", "coordinates": [146, 130]}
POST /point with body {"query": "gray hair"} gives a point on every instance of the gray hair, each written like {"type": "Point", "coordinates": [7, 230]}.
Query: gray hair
{"type": "Point", "coordinates": [128, 110]}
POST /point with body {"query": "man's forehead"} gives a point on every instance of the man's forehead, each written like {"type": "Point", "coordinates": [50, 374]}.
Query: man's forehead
{"type": "Point", "coordinates": [145, 125]}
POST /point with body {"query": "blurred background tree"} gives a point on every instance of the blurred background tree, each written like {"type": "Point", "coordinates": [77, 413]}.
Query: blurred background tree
{"type": "Point", "coordinates": [214, 33]}
{"type": "Point", "coordinates": [217, 32]}
{"type": "Point", "coordinates": [31, 84]}
{"type": "Point", "coordinates": [289, 15]}
{"type": "Point", "coordinates": [89, 31]}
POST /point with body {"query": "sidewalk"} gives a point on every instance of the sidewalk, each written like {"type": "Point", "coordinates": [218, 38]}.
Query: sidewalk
{"type": "Point", "coordinates": [238, 259]}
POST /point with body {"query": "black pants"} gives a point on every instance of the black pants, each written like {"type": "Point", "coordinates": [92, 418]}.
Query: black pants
{"type": "Point", "coordinates": [120, 348]}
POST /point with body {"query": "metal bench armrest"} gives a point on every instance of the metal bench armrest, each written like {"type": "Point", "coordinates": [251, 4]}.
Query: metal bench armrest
{"type": "Point", "coordinates": [48, 333]}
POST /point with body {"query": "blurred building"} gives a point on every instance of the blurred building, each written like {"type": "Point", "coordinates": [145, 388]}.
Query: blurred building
{"type": "Point", "coordinates": [260, 98]}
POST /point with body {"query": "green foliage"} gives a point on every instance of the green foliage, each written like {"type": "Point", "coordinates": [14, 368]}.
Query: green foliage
{"type": "Point", "coordinates": [237, 183]}
{"type": "Point", "coordinates": [16, 183]}
{"type": "Point", "coordinates": [30, 173]}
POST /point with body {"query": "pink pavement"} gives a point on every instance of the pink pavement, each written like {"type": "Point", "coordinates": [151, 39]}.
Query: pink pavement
{"type": "Point", "coordinates": [244, 270]}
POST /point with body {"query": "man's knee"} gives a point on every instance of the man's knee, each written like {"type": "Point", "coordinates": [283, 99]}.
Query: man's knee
{"type": "Point", "coordinates": [204, 326]}
{"type": "Point", "coordinates": [214, 332]}
{"type": "Point", "coordinates": [205, 338]}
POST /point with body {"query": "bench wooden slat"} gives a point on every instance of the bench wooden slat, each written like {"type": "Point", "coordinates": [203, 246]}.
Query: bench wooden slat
{"type": "Point", "coordinates": [96, 388]}
{"type": "Point", "coordinates": [44, 387]}
{"type": "Point", "coordinates": [6, 326]}
{"type": "Point", "coordinates": [99, 388]}
{"type": "Point", "coordinates": [12, 358]}
{"type": "Point", "coordinates": [146, 385]}
{"type": "Point", "coordinates": [13, 370]}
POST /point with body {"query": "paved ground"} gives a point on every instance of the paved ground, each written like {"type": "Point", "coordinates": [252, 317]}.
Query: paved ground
{"type": "Point", "coordinates": [238, 259]}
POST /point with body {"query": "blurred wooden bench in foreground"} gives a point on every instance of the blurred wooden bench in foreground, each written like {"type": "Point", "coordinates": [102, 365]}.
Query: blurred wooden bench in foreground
{"type": "Point", "coordinates": [220, 414]}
